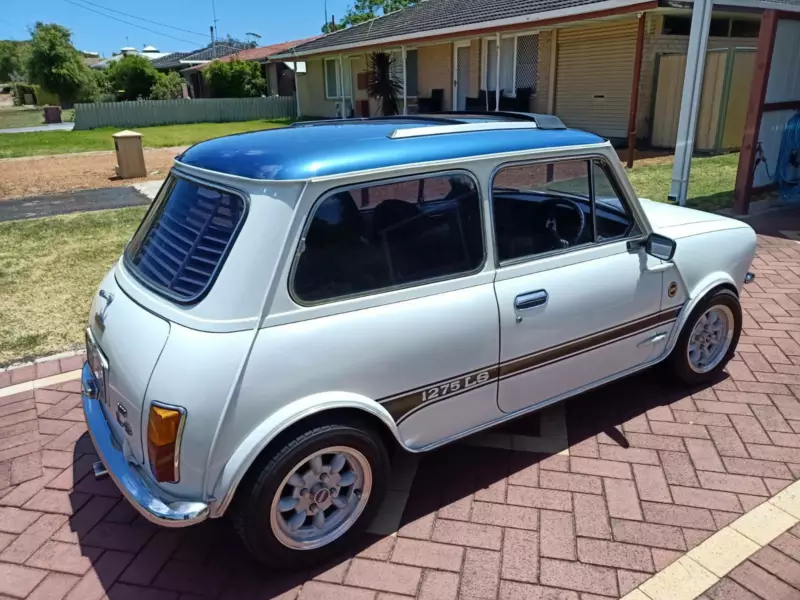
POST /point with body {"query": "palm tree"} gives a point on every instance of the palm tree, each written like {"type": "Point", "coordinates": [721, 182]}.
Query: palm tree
{"type": "Point", "coordinates": [382, 85]}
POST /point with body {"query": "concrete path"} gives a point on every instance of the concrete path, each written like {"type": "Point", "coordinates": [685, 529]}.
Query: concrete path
{"type": "Point", "coordinates": [51, 127]}
{"type": "Point", "coordinates": [84, 200]}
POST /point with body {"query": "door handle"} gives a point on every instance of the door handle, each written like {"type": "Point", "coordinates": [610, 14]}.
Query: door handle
{"type": "Point", "coordinates": [530, 300]}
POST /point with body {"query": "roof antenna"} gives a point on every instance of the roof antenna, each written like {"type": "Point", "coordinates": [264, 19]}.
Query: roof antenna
{"type": "Point", "coordinates": [325, 2]}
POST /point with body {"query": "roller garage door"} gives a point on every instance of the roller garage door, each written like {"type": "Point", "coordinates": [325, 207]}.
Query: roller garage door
{"type": "Point", "coordinates": [594, 77]}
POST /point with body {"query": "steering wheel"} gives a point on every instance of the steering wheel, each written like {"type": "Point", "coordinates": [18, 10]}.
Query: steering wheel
{"type": "Point", "coordinates": [566, 238]}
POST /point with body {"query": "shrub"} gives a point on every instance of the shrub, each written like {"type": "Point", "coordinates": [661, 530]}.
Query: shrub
{"type": "Point", "coordinates": [235, 79]}
{"type": "Point", "coordinates": [132, 77]}
{"type": "Point", "coordinates": [167, 87]}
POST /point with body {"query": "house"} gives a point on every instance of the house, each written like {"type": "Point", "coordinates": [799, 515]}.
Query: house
{"type": "Point", "coordinates": [588, 61]}
{"type": "Point", "coordinates": [149, 52]}
{"type": "Point", "coordinates": [279, 75]}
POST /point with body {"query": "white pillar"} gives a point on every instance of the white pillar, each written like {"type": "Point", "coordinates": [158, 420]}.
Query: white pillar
{"type": "Point", "coordinates": [405, 84]}
{"type": "Point", "coordinates": [690, 101]}
{"type": "Point", "coordinates": [497, 74]}
{"type": "Point", "coordinates": [297, 89]}
{"type": "Point", "coordinates": [342, 110]}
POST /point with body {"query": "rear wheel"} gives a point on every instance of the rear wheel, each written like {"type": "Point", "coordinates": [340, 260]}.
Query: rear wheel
{"type": "Point", "coordinates": [314, 496]}
{"type": "Point", "coordinates": [708, 339]}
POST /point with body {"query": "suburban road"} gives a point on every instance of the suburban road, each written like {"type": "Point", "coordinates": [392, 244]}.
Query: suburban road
{"type": "Point", "coordinates": [34, 207]}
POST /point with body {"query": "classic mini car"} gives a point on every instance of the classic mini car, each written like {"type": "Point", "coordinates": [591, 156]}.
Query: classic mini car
{"type": "Point", "coordinates": [299, 303]}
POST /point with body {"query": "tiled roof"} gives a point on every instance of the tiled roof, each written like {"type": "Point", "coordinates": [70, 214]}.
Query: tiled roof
{"type": "Point", "coordinates": [260, 53]}
{"type": "Point", "coordinates": [171, 60]}
{"type": "Point", "coordinates": [431, 15]}
{"type": "Point", "coordinates": [210, 53]}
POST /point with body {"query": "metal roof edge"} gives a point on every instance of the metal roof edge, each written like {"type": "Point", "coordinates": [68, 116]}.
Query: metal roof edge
{"type": "Point", "coordinates": [532, 19]}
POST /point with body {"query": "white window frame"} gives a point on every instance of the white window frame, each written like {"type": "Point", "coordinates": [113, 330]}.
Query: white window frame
{"type": "Point", "coordinates": [485, 54]}
{"type": "Point", "coordinates": [337, 92]}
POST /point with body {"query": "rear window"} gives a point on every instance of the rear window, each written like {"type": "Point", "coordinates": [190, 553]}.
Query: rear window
{"type": "Point", "coordinates": [182, 242]}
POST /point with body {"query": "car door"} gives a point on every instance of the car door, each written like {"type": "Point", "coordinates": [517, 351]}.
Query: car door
{"type": "Point", "coordinates": [578, 304]}
{"type": "Point", "coordinates": [391, 301]}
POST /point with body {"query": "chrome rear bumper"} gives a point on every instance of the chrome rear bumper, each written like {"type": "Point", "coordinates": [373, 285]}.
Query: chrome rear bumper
{"type": "Point", "coordinates": [128, 477]}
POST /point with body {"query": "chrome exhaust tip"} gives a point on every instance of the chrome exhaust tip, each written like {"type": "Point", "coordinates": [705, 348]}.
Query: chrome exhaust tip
{"type": "Point", "coordinates": [749, 277]}
{"type": "Point", "coordinates": [99, 470]}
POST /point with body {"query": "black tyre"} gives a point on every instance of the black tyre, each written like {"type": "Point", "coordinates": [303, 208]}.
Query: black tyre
{"type": "Point", "coordinates": [314, 496]}
{"type": "Point", "coordinates": [708, 339]}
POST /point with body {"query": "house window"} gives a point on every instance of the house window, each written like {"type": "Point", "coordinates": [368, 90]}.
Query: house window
{"type": "Point", "coordinates": [719, 26]}
{"type": "Point", "coordinates": [411, 71]}
{"type": "Point", "coordinates": [332, 90]}
{"type": "Point", "coordinates": [412, 74]}
{"type": "Point", "coordinates": [742, 28]}
{"type": "Point", "coordinates": [518, 63]}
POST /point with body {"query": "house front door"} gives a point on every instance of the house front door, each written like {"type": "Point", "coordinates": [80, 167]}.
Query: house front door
{"type": "Point", "coordinates": [461, 79]}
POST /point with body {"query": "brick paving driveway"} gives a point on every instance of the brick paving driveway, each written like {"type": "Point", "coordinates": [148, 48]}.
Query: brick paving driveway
{"type": "Point", "coordinates": [651, 470]}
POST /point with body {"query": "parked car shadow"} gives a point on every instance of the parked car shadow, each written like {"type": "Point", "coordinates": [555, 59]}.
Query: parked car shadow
{"type": "Point", "coordinates": [209, 560]}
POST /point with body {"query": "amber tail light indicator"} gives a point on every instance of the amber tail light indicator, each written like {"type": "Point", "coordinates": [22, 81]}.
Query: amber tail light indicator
{"type": "Point", "coordinates": [164, 430]}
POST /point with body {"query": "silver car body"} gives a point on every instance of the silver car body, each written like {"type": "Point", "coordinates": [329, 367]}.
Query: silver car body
{"type": "Point", "coordinates": [433, 362]}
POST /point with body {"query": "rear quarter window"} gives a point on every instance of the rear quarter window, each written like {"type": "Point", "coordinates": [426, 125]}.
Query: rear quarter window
{"type": "Point", "coordinates": [184, 239]}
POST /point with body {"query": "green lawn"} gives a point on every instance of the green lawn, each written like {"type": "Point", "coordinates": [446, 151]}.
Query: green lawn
{"type": "Point", "coordinates": [20, 116]}
{"type": "Point", "coordinates": [49, 268]}
{"type": "Point", "coordinates": [711, 181]}
{"type": "Point", "coordinates": [63, 142]}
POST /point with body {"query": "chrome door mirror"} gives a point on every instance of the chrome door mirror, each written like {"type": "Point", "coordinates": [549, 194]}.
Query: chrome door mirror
{"type": "Point", "coordinates": [660, 246]}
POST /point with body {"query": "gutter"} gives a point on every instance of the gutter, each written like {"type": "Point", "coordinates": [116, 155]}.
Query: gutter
{"type": "Point", "coordinates": [573, 13]}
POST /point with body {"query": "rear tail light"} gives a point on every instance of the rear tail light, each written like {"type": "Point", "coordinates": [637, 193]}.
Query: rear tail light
{"type": "Point", "coordinates": [164, 429]}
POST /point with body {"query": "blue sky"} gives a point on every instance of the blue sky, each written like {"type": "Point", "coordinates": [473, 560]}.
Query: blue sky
{"type": "Point", "coordinates": [275, 20]}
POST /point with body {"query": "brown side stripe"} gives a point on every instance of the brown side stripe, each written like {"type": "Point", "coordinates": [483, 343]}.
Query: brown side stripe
{"type": "Point", "coordinates": [601, 338]}
{"type": "Point", "coordinates": [403, 405]}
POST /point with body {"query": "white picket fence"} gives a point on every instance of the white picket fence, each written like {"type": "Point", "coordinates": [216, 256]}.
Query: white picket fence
{"type": "Point", "coordinates": [144, 113]}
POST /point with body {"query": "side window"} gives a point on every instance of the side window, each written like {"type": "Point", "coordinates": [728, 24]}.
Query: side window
{"type": "Point", "coordinates": [614, 219]}
{"type": "Point", "coordinates": [369, 238]}
{"type": "Point", "coordinates": [542, 207]}
{"type": "Point", "coordinates": [546, 207]}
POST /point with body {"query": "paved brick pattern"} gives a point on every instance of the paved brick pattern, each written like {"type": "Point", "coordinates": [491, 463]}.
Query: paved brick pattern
{"type": "Point", "coordinates": [772, 573]}
{"type": "Point", "coordinates": [652, 470]}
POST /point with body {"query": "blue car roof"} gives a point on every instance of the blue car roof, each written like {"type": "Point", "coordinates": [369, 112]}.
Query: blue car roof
{"type": "Point", "coordinates": [338, 147]}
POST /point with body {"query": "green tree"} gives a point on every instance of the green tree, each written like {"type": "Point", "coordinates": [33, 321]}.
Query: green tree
{"type": "Point", "coordinates": [12, 60]}
{"type": "Point", "coordinates": [132, 77]}
{"type": "Point", "coordinates": [56, 65]}
{"type": "Point", "coordinates": [167, 87]}
{"type": "Point", "coordinates": [365, 10]}
{"type": "Point", "coordinates": [235, 79]}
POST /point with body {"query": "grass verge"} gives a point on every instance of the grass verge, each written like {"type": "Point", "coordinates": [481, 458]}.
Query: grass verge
{"type": "Point", "coordinates": [49, 269]}
{"type": "Point", "coordinates": [64, 142]}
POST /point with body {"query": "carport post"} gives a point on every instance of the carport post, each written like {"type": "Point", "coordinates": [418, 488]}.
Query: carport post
{"type": "Point", "coordinates": [297, 89]}
{"type": "Point", "coordinates": [405, 90]}
{"type": "Point", "coordinates": [637, 74]}
{"type": "Point", "coordinates": [497, 75]}
{"type": "Point", "coordinates": [342, 112]}
{"type": "Point", "coordinates": [690, 100]}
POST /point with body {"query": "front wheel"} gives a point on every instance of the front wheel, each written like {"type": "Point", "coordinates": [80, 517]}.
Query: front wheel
{"type": "Point", "coordinates": [708, 339]}
{"type": "Point", "coordinates": [314, 496]}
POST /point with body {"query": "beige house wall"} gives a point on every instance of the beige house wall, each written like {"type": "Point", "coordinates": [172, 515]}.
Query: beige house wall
{"type": "Point", "coordinates": [312, 92]}
{"type": "Point", "coordinates": [436, 71]}
{"type": "Point", "coordinates": [539, 100]}
{"type": "Point", "coordinates": [435, 63]}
